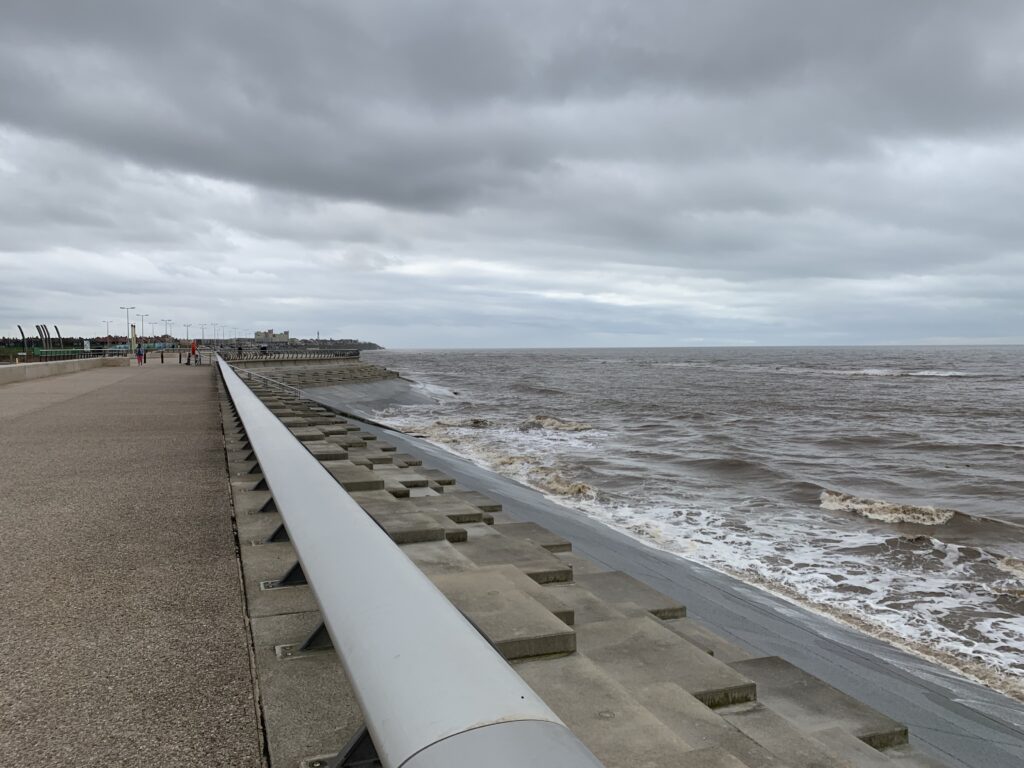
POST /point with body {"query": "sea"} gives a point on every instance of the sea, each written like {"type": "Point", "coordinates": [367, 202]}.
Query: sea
{"type": "Point", "coordinates": [881, 486]}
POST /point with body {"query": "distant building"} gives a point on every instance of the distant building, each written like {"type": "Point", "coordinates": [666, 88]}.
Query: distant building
{"type": "Point", "coordinates": [269, 335]}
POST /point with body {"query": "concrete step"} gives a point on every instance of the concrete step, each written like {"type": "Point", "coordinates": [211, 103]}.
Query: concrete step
{"type": "Point", "coordinates": [353, 478]}
{"type": "Point", "coordinates": [475, 498]}
{"type": "Point", "coordinates": [548, 595]}
{"type": "Point", "coordinates": [409, 528]}
{"type": "Point", "coordinates": [857, 753]}
{"type": "Point", "coordinates": [620, 732]}
{"type": "Point", "coordinates": [696, 724]}
{"type": "Point", "coordinates": [453, 532]}
{"type": "Point", "coordinates": [777, 735]}
{"type": "Point", "coordinates": [580, 565]}
{"type": "Point", "coordinates": [437, 557]}
{"type": "Point", "coordinates": [516, 624]}
{"type": "Point", "coordinates": [587, 608]}
{"type": "Point", "coordinates": [325, 451]}
{"type": "Point", "coordinates": [535, 533]}
{"type": "Point", "coordinates": [639, 651]}
{"type": "Point", "coordinates": [617, 587]}
{"type": "Point", "coordinates": [458, 510]}
{"type": "Point", "coordinates": [905, 756]}
{"type": "Point", "coordinates": [305, 434]}
{"type": "Point", "coordinates": [437, 476]}
{"type": "Point", "coordinates": [698, 634]}
{"type": "Point", "coordinates": [813, 704]}
{"type": "Point", "coordinates": [485, 547]}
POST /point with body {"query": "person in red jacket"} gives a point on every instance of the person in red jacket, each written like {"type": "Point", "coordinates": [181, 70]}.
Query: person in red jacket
{"type": "Point", "coordinates": [192, 354]}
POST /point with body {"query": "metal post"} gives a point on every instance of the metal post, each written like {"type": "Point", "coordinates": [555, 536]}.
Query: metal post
{"type": "Point", "coordinates": [433, 690]}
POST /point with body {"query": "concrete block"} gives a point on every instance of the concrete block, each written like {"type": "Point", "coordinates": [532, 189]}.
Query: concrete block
{"type": "Point", "coordinates": [548, 595]}
{"type": "Point", "coordinates": [586, 607]}
{"type": "Point", "coordinates": [325, 451]}
{"type": "Point", "coordinates": [308, 705]}
{"type": "Point", "coordinates": [477, 499]}
{"type": "Point", "coordinates": [517, 625]}
{"type": "Point", "coordinates": [268, 563]}
{"type": "Point", "coordinates": [353, 478]}
{"type": "Point", "coordinates": [580, 565]}
{"type": "Point", "coordinates": [696, 633]}
{"type": "Point", "coordinates": [406, 460]}
{"type": "Point", "coordinates": [437, 476]}
{"type": "Point", "coordinates": [695, 723]}
{"type": "Point", "coordinates": [618, 730]}
{"type": "Point", "coordinates": [409, 528]}
{"type": "Point", "coordinates": [778, 736]}
{"type": "Point", "coordinates": [453, 532]}
{"type": "Point", "coordinates": [618, 587]}
{"type": "Point", "coordinates": [437, 557]}
{"type": "Point", "coordinates": [535, 533]}
{"type": "Point", "coordinates": [488, 548]}
{"type": "Point", "coordinates": [305, 434]}
{"type": "Point", "coordinates": [639, 651]}
{"type": "Point", "coordinates": [251, 502]}
{"type": "Point", "coordinates": [456, 509]}
{"type": "Point", "coordinates": [813, 704]}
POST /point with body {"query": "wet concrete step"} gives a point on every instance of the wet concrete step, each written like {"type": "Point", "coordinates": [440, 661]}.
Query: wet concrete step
{"type": "Point", "coordinates": [813, 704]}
{"type": "Point", "coordinates": [516, 624]}
{"type": "Point", "coordinates": [639, 651]}
{"type": "Point", "coordinates": [617, 587]}
{"type": "Point", "coordinates": [615, 727]}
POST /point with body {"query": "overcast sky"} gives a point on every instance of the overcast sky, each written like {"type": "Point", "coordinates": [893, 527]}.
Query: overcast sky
{"type": "Point", "coordinates": [485, 173]}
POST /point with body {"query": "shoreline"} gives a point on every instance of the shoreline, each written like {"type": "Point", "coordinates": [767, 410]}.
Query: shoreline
{"type": "Point", "coordinates": [897, 681]}
{"type": "Point", "coordinates": [978, 672]}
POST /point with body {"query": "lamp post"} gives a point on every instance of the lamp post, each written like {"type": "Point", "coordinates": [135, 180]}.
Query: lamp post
{"type": "Point", "coordinates": [187, 326]}
{"type": "Point", "coordinates": [127, 330]}
{"type": "Point", "coordinates": [167, 326]}
{"type": "Point", "coordinates": [108, 322]}
{"type": "Point", "coordinates": [143, 326]}
{"type": "Point", "coordinates": [202, 328]}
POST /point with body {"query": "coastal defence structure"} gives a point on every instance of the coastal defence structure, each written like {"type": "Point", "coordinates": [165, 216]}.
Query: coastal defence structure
{"type": "Point", "coordinates": [230, 572]}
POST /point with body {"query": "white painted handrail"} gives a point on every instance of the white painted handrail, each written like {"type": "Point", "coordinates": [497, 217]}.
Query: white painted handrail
{"type": "Point", "coordinates": [433, 691]}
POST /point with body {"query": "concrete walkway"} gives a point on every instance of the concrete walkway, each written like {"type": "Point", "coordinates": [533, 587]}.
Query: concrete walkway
{"type": "Point", "coordinates": [122, 635]}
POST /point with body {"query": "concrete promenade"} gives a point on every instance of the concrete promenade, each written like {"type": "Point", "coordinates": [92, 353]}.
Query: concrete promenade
{"type": "Point", "coordinates": [122, 634]}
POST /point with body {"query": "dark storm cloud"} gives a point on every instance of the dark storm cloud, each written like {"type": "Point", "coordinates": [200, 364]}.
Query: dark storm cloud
{"type": "Point", "coordinates": [741, 171]}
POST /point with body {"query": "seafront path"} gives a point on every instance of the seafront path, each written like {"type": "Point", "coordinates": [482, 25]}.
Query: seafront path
{"type": "Point", "coordinates": [121, 620]}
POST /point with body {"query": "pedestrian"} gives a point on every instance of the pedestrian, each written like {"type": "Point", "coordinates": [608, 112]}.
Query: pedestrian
{"type": "Point", "coordinates": [192, 353]}
{"type": "Point", "coordinates": [139, 353]}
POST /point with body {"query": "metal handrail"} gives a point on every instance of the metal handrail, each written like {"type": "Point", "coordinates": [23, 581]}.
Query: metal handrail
{"type": "Point", "coordinates": [433, 691]}
{"type": "Point", "coordinates": [265, 379]}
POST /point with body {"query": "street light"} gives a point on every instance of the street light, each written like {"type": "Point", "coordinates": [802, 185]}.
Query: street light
{"type": "Point", "coordinates": [127, 329]}
{"type": "Point", "coordinates": [187, 326]}
{"type": "Point", "coordinates": [167, 326]}
{"type": "Point", "coordinates": [108, 322]}
{"type": "Point", "coordinates": [202, 327]}
{"type": "Point", "coordinates": [143, 334]}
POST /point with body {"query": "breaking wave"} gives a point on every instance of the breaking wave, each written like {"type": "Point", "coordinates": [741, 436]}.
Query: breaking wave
{"type": "Point", "coordinates": [884, 511]}
{"type": "Point", "coordinates": [552, 422]}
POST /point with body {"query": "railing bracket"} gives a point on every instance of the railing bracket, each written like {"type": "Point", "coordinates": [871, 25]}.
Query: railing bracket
{"type": "Point", "coordinates": [295, 577]}
{"type": "Point", "coordinates": [360, 752]}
